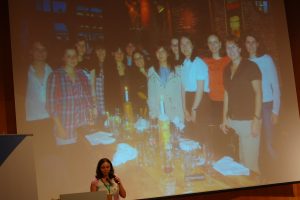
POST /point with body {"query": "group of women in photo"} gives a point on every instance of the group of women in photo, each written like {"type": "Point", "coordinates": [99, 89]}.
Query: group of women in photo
{"type": "Point", "coordinates": [225, 91]}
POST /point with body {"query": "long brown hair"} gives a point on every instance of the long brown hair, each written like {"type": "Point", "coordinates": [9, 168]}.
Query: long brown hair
{"type": "Point", "coordinates": [99, 173]}
{"type": "Point", "coordinates": [194, 52]}
{"type": "Point", "coordinates": [261, 48]}
{"type": "Point", "coordinates": [94, 58]}
{"type": "Point", "coordinates": [169, 58]}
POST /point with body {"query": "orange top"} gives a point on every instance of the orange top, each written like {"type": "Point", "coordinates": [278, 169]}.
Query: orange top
{"type": "Point", "coordinates": [215, 71]}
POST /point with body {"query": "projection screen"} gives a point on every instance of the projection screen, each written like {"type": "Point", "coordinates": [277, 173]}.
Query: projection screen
{"type": "Point", "coordinates": [153, 86]}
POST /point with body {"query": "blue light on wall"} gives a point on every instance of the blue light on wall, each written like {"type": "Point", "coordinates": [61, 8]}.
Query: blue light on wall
{"type": "Point", "coordinates": [59, 6]}
{"type": "Point", "coordinates": [43, 5]}
{"type": "Point", "coordinates": [262, 6]}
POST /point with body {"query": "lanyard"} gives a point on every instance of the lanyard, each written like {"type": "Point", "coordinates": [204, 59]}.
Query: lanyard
{"type": "Point", "coordinates": [107, 186]}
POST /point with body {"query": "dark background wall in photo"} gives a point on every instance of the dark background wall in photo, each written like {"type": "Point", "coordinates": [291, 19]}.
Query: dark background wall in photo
{"type": "Point", "coordinates": [7, 107]}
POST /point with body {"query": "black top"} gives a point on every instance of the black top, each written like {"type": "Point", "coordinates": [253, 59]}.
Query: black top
{"type": "Point", "coordinates": [114, 89]}
{"type": "Point", "coordinates": [138, 83]}
{"type": "Point", "coordinates": [241, 99]}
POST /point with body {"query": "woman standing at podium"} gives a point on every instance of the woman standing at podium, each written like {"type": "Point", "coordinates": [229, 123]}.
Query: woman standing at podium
{"type": "Point", "coordinates": [106, 180]}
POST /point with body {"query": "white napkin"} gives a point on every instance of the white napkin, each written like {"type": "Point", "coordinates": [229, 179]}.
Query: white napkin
{"type": "Point", "coordinates": [141, 125]}
{"type": "Point", "coordinates": [228, 167]}
{"type": "Point", "coordinates": [100, 138]}
{"type": "Point", "coordinates": [188, 145]}
{"type": "Point", "coordinates": [124, 153]}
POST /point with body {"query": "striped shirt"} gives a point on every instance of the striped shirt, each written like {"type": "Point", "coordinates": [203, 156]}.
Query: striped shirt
{"type": "Point", "coordinates": [100, 93]}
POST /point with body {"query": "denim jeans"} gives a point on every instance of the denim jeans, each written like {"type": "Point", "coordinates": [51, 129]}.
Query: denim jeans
{"type": "Point", "coordinates": [268, 128]}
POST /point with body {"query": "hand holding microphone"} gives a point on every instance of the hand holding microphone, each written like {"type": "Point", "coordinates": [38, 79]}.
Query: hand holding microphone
{"type": "Point", "coordinates": [122, 191]}
{"type": "Point", "coordinates": [117, 179]}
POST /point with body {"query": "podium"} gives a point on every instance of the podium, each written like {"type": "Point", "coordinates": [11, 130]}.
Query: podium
{"type": "Point", "coordinates": [101, 195]}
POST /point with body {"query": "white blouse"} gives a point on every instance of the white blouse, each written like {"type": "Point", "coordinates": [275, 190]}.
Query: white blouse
{"type": "Point", "coordinates": [193, 71]}
{"type": "Point", "coordinates": [109, 189]}
{"type": "Point", "coordinates": [36, 95]}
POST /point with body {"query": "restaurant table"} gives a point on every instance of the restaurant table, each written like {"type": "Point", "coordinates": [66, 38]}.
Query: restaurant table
{"type": "Point", "coordinates": [159, 169]}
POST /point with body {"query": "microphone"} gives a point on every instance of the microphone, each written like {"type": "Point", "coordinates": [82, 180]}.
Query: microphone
{"type": "Point", "coordinates": [115, 178]}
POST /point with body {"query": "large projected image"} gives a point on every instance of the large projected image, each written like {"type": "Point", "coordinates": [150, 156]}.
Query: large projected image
{"type": "Point", "coordinates": [182, 96]}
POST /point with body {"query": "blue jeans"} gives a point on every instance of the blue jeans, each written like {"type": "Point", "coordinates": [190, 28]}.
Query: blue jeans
{"type": "Point", "coordinates": [268, 128]}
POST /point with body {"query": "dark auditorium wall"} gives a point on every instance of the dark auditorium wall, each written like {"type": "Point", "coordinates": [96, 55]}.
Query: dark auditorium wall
{"type": "Point", "coordinates": [7, 110]}
{"type": "Point", "coordinates": [7, 105]}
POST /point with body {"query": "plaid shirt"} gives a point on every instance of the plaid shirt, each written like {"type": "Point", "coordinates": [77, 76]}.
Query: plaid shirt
{"type": "Point", "coordinates": [100, 93]}
{"type": "Point", "coordinates": [70, 101]}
